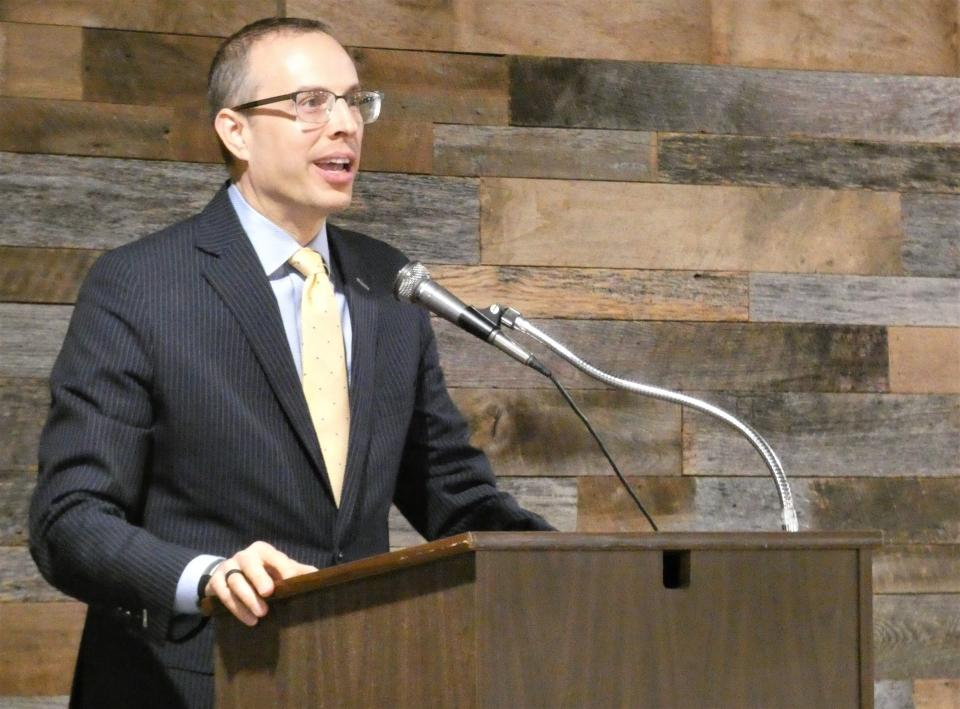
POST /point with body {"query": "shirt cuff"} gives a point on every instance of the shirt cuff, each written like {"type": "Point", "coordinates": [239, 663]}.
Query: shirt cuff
{"type": "Point", "coordinates": [186, 601]}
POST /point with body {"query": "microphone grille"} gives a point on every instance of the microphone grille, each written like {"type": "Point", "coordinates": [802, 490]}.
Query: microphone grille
{"type": "Point", "coordinates": [409, 279]}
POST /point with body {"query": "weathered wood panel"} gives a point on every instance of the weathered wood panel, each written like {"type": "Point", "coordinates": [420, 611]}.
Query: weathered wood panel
{"type": "Point", "coordinates": [656, 30]}
{"type": "Point", "coordinates": [47, 702]}
{"type": "Point", "coordinates": [936, 693]}
{"type": "Point", "coordinates": [39, 647]}
{"type": "Point", "coordinates": [536, 433]}
{"type": "Point", "coordinates": [624, 225]}
{"type": "Point", "coordinates": [98, 203]}
{"type": "Point", "coordinates": [397, 146]}
{"type": "Point", "coordinates": [797, 162]}
{"type": "Point", "coordinates": [893, 694]}
{"type": "Point", "coordinates": [687, 356]}
{"type": "Point", "coordinates": [40, 60]}
{"type": "Point", "coordinates": [20, 581]}
{"type": "Point", "coordinates": [212, 17]}
{"type": "Point", "coordinates": [38, 275]}
{"type": "Point", "coordinates": [579, 93]}
{"type": "Point", "coordinates": [16, 487]}
{"type": "Point", "coordinates": [907, 510]}
{"type": "Point", "coordinates": [609, 294]}
{"type": "Point", "coordinates": [911, 37]}
{"type": "Point", "coordinates": [32, 336]}
{"type": "Point", "coordinates": [831, 435]}
{"type": "Point", "coordinates": [916, 636]}
{"type": "Point", "coordinates": [931, 568]}
{"type": "Point", "coordinates": [931, 231]}
{"type": "Point", "coordinates": [924, 360]}
{"type": "Point", "coordinates": [572, 153]}
{"type": "Point", "coordinates": [23, 409]}
{"type": "Point", "coordinates": [854, 300]}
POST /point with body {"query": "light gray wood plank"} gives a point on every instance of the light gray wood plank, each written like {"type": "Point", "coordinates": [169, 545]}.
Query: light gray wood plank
{"type": "Point", "coordinates": [571, 153]}
{"type": "Point", "coordinates": [916, 636]}
{"type": "Point", "coordinates": [23, 409]}
{"type": "Point", "coordinates": [21, 581]}
{"type": "Point", "coordinates": [854, 300]}
{"type": "Point", "coordinates": [893, 694]}
{"type": "Point", "coordinates": [680, 98]}
{"type": "Point", "coordinates": [928, 568]}
{"type": "Point", "coordinates": [50, 702]}
{"type": "Point", "coordinates": [32, 337]}
{"type": "Point", "coordinates": [16, 487]}
{"type": "Point", "coordinates": [931, 230]}
{"type": "Point", "coordinates": [831, 435]}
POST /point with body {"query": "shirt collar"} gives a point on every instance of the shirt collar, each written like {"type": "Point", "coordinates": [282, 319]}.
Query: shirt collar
{"type": "Point", "coordinates": [274, 246]}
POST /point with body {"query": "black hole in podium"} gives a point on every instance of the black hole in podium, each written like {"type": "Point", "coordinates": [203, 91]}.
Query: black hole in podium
{"type": "Point", "coordinates": [676, 568]}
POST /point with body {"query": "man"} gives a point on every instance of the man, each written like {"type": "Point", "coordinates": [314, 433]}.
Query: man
{"type": "Point", "coordinates": [197, 444]}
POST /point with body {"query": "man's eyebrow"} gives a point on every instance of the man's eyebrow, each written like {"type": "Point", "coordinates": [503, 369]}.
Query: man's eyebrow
{"type": "Point", "coordinates": [352, 87]}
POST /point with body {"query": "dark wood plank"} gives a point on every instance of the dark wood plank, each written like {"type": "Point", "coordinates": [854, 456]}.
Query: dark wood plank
{"type": "Point", "coordinates": [41, 61]}
{"type": "Point", "coordinates": [595, 293]}
{"type": "Point", "coordinates": [40, 275]}
{"type": "Point", "coordinates": [690, 356]}
{"type": "Point", "coordinates": [579, 93]}
{"type": "Point", "coordinates": [39, 647]}
{"type": "Point", "coordinates": [693, 227]}
{"type": "Point", "coordinates": [908, 510]}
{"type": "Point", "coordinates": [32, 336]}
{"type": "Point", "coordinates": [924, 360]}
{"type": "Point", "coordinates": [798, 162]}
{"type": "Point", "coordinates": [20, 581]}
{"type": "Point", "coordinates": [928, 568]}
{"type": "Point", "coordinates": [398, 146]}
{"type": "Point", "coordinates": [855, 300]}
{"type": "Point", "coordinates": [831, 435]}
{"type": "Point", "coordinates": [544, 152]}
{"type": "Point", "coordinates": [917, 635]}
{"type": "Point", "coordinates": [16, 487]}
{"type": "Point", "coordinates": [931, 235]}
{"type": "Point", "coordinates": [23, 409]}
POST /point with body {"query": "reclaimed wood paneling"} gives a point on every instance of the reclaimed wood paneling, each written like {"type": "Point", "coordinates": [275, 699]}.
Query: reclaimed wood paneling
{"type": "Point", "coordinates": [916, 636]}
{"type": "Point", "coordinates": [623, 225]}
{"type": "Point", "coordinates": [655, 30]}
{"type": "Point", "coordinates": [572, 153]}
{"type": "Point", "coordinates": [212, 17]}
{"type": "Point", "coordinates": [20, 581]}
{"type": "Point", "coordinates": [893, 694]}
{"type": "Point", "coordinates": [798, 162]}
{"type": "Point", "coordinates": [931, 231]}
{"type": "Point", "coordinates": [536, 433]}
{"type": "Point", "coordinates": [908, 510]}
{"type": "Point", "coordinates": [47, 702]}
{"type": "Point", "coordinates": [40, 60]}
{"type": "Point", "coordinates": [831, 435]}
{"type": "Point", "coordinates": [39, 646]}
{"type": "Point", "coordinates": [596, 293]}
{"type": "Point", "coordinates": [686, 356]}
{"type": "Point", "coordinates": [23, 408]}
{"type": "Point", "coordinates": [930, 568]}
{"type": "Point", "coordinates": [580, 93]}
{"type": "Point", "coordinates": [854, 300]}
{"type": "Point", "coordinates": [15, 490]}
{"type": "Point", "coordinates": [936, 693]}
{"type": "Point", "coordinates": [924, 360]}
{"type": "Point", "coordinates": [397, 146]}
{"type": "Point", "coordinates": [912, 37]}
{"type": "Point", "coordinates": [39, 275]}
{"type": "Point", "coordinates": [32, 336]}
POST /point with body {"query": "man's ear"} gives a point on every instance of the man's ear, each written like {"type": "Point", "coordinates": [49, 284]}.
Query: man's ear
{"type": "Point", "coordinates": [233, 129]}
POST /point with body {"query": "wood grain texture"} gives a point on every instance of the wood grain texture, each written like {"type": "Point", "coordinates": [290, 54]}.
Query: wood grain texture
{"type": "Point", "coordinates": [686, 356]}
{"type": "Point", "coordinates": [655, 30]}
{"type": "Point", "coordinates": [23, 409]}
{"type": "Point", "coordinates": [893, 694]}
{"type": "Point", "coordinates": [571, 153]}
{"type": "Point", "coordinates": [798, 162]}
{"type": "Point", "coordinates": [398, 146]}
{"type": "Point", "coordinates": [577, 93]}
{"type": "Point", "coordinates": [929, 568]}
{"type": "Point", "coordinates": [16, 487]}
{"type": "Point", "coordinates": [47, 702]}
{"type": "Point", "coordinates": [917, 636]}
{"type": "Point", "coordinates": [32, 336]}
{"type": "Point", "coordinates": [534, 432]}
{"type": "Point", "coordinates": [624, 225]}
{"type": "Point", "coordinates": [931, 235]}
{"type": "Point", "coordinates": [39, 645]}
{"type": "Point", "coordinates": [597, 293]}
{"type": "Point", "coordinates": [20, 581]}
{"type": "Point", "coordinates": [42, 61]}
{"type": "Point", "coordinates": [907, 510]}
{"type": "Point", "coordinates": [936, 693]}
{"type": "Point", "coordinates": [853, 35]}
{"type": "Point", "coordinates": [831, 435]}
{"type": "Point", "coordinates": [924, 360]}
{"type": "Point", "coordinates": [213, 17]}
{"type": "Point", "coordinates": [855, 300]}
{"type": "Point", "coordinates": [37, 275]}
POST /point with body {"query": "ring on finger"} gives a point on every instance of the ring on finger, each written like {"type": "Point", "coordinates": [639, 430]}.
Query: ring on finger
{"type": "Point", "coordinates": [226, 576]}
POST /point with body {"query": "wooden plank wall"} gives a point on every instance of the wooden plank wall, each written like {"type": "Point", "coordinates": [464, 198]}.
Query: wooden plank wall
{"type": "Point", "coordinates": [757, 202]}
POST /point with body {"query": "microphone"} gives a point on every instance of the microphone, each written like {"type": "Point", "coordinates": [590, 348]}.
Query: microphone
{"type": "Point", "coordinates": [413, 284]}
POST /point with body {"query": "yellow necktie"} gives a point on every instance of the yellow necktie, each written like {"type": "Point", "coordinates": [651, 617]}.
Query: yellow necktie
{"type": "Point", "coordinates": [324, 365]}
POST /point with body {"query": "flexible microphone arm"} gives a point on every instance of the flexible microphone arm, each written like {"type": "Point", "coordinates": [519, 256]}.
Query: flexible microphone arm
{"type": "Point", "coordinates": [514, 320]}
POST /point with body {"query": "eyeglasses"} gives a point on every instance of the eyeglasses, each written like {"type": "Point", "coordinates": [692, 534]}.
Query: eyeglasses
{"type": "Point", "coordinates": [316, 105]}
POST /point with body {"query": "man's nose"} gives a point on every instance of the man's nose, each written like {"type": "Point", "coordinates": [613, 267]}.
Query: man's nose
{"type": "Point", "coordinates": [342, 118]}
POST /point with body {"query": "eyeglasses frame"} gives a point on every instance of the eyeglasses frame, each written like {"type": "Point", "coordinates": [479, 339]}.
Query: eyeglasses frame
{"type": "Point", "coordinates": [293, 96]}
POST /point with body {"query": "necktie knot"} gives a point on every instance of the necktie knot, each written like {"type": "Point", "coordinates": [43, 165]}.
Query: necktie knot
{"type": "Point", "coordinates": [308, 262]}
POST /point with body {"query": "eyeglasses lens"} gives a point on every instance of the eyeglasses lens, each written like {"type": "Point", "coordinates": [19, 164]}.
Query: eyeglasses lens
{"type": "Point", "coordinates": [317, 106]}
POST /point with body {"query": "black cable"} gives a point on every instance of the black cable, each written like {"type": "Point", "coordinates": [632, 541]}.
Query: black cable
{"type": "Point", "coordinates": [606, 453]}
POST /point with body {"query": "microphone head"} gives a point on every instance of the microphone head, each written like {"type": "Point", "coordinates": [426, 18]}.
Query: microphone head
{"type": "Point", "coordinates": [408, 280]}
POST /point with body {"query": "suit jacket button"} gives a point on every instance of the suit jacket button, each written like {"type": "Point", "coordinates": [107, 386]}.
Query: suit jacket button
{"type": "Point", "coordinates": [339, 556]}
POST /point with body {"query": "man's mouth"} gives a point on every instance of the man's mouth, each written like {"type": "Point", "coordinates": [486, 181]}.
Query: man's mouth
{"type": "Point", "coordinates": [335, 164]}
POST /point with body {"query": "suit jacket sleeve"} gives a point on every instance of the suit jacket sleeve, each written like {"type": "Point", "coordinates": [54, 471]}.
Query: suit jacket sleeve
{"type": "Point", "coordinates": [445, 485]}
{"type": "Point", "coordinates": [94, 459]}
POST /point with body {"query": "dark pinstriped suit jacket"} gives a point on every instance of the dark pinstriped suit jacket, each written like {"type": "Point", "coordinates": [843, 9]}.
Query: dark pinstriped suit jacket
{"type": "Point", "coordinates": [178, 426]}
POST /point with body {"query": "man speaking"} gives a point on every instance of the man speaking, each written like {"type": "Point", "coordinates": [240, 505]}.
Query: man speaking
{"type": "Point", "coordinates": [239, 398]}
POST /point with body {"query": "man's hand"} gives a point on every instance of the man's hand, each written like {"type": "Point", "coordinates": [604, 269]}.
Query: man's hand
{"type": "Point", "coordinates": [243, 591]}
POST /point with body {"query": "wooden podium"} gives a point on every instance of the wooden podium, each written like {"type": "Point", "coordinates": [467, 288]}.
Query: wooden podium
{"type": "Point", "coordinates": [518, 620]}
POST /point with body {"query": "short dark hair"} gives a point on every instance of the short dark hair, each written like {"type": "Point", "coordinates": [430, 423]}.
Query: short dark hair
{"type": "Point", "coordinates": [228, 79]}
